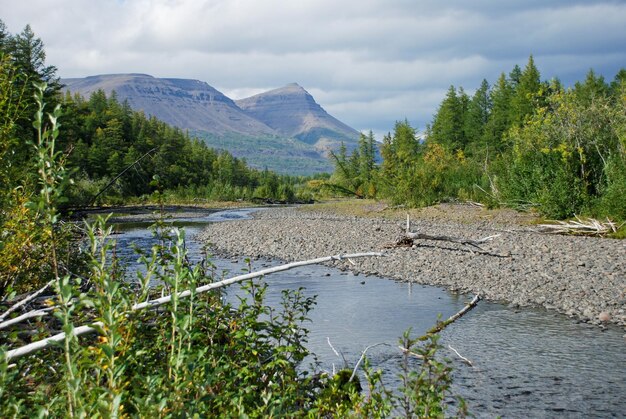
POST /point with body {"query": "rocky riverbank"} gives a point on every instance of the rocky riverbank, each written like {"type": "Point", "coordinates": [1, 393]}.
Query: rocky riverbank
{"type": "Point", "coordinates": [582, 277]}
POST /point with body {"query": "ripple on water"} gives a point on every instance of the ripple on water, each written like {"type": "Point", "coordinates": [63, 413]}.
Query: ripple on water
{"type": "Point", "coordinates": [527, 363]}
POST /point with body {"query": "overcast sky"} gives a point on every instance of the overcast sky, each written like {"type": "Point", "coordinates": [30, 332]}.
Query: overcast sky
{"type": "Point", "coordinates": [367, 62]}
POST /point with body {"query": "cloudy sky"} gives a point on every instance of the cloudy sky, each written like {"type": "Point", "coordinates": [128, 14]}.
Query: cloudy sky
{"type": "Point", "coordinates": [367, 62]}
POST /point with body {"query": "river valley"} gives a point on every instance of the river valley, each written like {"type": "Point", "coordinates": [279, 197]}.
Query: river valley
{"type": "Point", "coordinates": [526, 362]}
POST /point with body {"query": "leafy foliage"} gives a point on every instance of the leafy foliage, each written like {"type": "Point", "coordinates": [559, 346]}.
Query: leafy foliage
{"type": "Point", "coordinates": [355, 174]}
{"type": "Point", "coordinates": [522, 143]}
{"type": "Point", "coordinates": [197, 356]}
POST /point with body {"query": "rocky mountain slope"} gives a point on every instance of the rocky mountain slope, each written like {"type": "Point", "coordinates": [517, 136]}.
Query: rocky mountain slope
{"type": "Point", "coordinates": [283, 129]}
{"type": "Point", "coordinates": [293, 112]}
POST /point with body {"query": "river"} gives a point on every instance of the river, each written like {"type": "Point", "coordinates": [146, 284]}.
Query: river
{"type": "Point", "coordinates": [526, 362]}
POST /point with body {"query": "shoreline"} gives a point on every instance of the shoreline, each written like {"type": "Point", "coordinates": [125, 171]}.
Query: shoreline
{"type": "Point", "coordinates": [581, 277]}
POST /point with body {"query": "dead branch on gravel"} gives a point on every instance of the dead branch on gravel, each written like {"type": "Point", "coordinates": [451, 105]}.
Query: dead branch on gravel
{"type": "Point", "coordinates": [409, 237]}
{"type": "Point", "coordinates": [588, 227]}
{"type": "Point", "coordinates": [97, 326]}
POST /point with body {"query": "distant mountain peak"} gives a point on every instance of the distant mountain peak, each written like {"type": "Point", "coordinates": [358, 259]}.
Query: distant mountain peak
{"type": "Point", "coordinates": [292, 111]}
{"type": "Point", "coordinates": [284, 123]}
{"type": "Point", "coordinates": [184, 103]}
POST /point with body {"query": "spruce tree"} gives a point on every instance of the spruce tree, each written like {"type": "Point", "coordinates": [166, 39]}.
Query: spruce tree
{"type": "Point", "coordinates": [447, 126]}
{"type": "Point", "coordinates": [594, 87]}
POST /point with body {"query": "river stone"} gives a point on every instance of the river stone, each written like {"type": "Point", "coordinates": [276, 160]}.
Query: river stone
{"type": "Point", "coordinates": [546, 270]}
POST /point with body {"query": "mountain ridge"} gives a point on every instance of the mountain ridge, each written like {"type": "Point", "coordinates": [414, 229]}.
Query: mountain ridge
{"type": "Point", "coordinates": [285, 123]}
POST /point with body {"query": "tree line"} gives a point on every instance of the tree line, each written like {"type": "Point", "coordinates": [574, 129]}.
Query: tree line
{"type": "Point", "coordinates": [105, 137]}
{"type": "Point", "coordinates": [522, 142]}
{"type": "Point", "coordinates": [195, 356]}
{"type": "Point", "coordinates": [101, 137]}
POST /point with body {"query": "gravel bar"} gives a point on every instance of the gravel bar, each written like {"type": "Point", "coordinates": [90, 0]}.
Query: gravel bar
{"type": "Point", "coordinates": [582, 277]}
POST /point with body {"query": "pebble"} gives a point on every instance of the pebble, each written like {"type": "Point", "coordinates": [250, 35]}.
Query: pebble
{"type": "Point", "coordinates": [565, 281]}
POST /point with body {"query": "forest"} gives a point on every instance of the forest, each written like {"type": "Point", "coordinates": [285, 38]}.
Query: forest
{"type": "Point", "coordinates": [521, 142]}
{"type": "Point", "coordinates": [103, 138]}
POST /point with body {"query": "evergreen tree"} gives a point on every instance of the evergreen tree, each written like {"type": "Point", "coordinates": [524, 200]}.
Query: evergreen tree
{"type": "Point", "coordinates": [477, 114]}
{"type": "Point", "coordinates": [618, 82]}
{"type": "Point", "coordinates": [515, 77]}
{"type": "Point", "coordinates": [594, 87]}
{"type": "Point", "coordinates": [29, 57]}
{"type": "Point", "coordinates": [26, 57]}
{"type": "Point", "coordinates": [447, 126]}
{"type": "Point", "coordinates": [367, 156]}
{"type": "Point", "coordinates": [499, 119]}
{"type": "Point", "coordinates": [400, 155]}
{"type": "Point", "coordinates": [4, 37]}
{"type": "Point", "coordinates": [524, 100]}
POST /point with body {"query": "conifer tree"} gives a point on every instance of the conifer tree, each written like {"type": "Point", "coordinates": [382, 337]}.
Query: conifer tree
{"type": "Point", "coordinates": [367, 156]}
{"type": "Point", "coordinates": [515, 77]}
{"type": "Point", "coordinates": [477, 114]}
{"type": "Point", "coordinates": [447, 126]}
{"type": "Point", "coordinates": [499, 119]}
{"type": "Point", "coordinates": [594, 87]}
{"type": "Point", "coordinates": [524, 100]}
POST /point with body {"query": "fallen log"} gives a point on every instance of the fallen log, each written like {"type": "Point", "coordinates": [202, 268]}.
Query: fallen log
{"type": "Point", "coordinates": [409, 237]}
{"type": "Point", "coordinates": [588, 227]}
{"type": "Point", "coordinates": [25, 300]}
{"type": "Point", "coordinates": [95, 327]}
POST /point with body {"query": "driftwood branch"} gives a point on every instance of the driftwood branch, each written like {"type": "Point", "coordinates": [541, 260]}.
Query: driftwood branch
{"type": "Point", "coordinates": [466, 242]}
{"type": "Point", "coordinates": [49, 341]}
{"type": "Point", "coordinates": [28, 315]}
{"type": "Point", "coordinates": [331, 346]}
{"type": "Point", "coordinates": [25, 301]}
{"type": "Point", "coordinates": [356, 367]}
{"type": "Point", "coordinates": [467, 361]}
{"type": "Point", "coordinates": [589, 227]}
{"type": "Point", "coordinates": [82, 330]}
{"type": "Point", "coordinates": [263, 272]}
{"type": "Point", "coordinates": [409, 237]}
{"type": "Point", "coordinates": [442, 325]}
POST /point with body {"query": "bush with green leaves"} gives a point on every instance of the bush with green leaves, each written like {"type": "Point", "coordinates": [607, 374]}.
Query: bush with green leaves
{"type": "Point", "coordinates": [195, 356]}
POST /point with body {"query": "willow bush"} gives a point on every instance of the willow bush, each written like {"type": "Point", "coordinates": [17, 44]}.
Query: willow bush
{"type": "Point", "coordinates": [193, 357]}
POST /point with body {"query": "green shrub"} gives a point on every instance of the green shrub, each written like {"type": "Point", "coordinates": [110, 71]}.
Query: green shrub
{"type": "Point", "coordinates": [191, 357]}
{"type": "Point", "coordinates": [612, 201]}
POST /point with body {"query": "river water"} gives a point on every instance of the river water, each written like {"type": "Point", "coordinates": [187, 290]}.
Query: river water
{"type": "Point", "coordinates": [525, 362]}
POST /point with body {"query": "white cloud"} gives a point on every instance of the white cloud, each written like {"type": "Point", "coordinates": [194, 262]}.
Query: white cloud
{"type": "Point", "coordinates": [368, 62]}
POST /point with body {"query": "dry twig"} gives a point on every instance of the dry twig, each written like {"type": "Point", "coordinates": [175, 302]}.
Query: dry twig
{"type": "Point", "coordinates": [467, 361]}
{"type": "Point", "coordinates": [442, 325]}
{"type": "Point", "coordinates": [408, 238]}
{"type": "Point", "coordinates": [26, 300]}
{"type": "Point", "coordinates": [589, 227]}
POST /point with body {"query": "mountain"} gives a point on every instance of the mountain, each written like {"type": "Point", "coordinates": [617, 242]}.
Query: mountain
{"type": "Point", "coordinates": [187, 104]}
{"type": "Point", "coordinates": [284, 129]}
{"type": "Point", "coordinates": [293, 112]}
